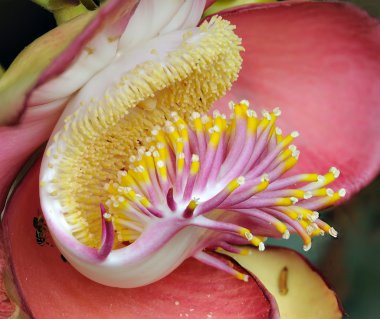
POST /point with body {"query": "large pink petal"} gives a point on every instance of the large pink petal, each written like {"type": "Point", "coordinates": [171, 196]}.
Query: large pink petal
{"type": "Point", "coordinates": [51, 288]}
{"type": "Point", "coordinates": [320, 63]}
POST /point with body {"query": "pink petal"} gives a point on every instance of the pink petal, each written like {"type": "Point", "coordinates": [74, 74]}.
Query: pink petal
{"type": "Point", "coordinates": [320, 63]}
{"type": "Point", "coordinates": [51, 288]}
{"type": "Point", "coordinates": [19, 142]}
{"type": "Point", "coordinates": [6, 307]}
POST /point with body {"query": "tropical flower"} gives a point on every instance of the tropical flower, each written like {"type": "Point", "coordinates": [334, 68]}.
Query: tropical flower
{"type": "Point", "coordinates": [200, 182]}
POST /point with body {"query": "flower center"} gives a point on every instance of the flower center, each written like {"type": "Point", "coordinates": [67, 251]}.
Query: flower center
{"type": "Point", "coordinates": [224, 175]}
{"type": "Point", "coordinates": [94, 140]}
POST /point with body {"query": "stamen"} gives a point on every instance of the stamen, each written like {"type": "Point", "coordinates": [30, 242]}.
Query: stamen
{"type": "Point", "coordinates": [225, 177]}
{"type": "Point", "coordinates": [251, 195]}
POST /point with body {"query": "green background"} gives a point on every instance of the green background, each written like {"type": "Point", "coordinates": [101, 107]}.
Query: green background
{"type": "Point", "coordinates": [351, 263]}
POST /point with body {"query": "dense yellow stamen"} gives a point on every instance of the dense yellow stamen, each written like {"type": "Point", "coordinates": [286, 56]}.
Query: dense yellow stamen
{"type": "Point", "coordinates": [95, 141]}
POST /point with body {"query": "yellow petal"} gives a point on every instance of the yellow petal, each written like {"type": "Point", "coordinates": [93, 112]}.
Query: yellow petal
{"type": "Point", "coordinates": [299, 290]}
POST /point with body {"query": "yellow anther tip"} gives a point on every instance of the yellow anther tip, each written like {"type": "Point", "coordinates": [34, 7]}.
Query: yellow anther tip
{"type": "Point", "coordinates": [245, 252]}
{"type": "Point", "coordinates": [241, 276]}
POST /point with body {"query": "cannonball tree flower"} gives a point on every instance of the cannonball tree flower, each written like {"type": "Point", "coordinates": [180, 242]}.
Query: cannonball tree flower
{"type": "Point", "coordinates": [308, 71]}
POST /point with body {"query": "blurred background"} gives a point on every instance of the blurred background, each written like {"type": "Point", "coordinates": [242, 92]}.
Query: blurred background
{"type": "Point", "coordinates": [350, 263]}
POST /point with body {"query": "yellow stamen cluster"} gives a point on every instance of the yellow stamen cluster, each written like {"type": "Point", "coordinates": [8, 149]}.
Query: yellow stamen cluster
{"type": "Point", "coordinates": [98, 138]}
{"type": "Point", "coordinates": [199, 164]}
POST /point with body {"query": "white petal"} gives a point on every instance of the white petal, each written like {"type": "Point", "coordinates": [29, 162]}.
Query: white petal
{"type": "Point", "coordinates": [187, 16]}
{"type": "Point", "coordinates": [147, 21]}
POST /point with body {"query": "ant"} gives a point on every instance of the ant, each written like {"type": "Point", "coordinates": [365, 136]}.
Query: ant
{"type": "Point", "coordinates": [39, 226]}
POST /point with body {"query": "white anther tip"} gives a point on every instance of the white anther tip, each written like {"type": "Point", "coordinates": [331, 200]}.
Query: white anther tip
{"type": "Point", "coordinates": [294, 200]}
{"type": "Point", "coordinates": [335, 171]}
{"type": "Point", "coordinates": [329, 192]}
{"type": "Point", "coordinates": [308, 195]}
{"type": "Point", "coordinates": [231, 105]}
{"type": "Point", "coordinates": [240, 180]}
{"type": "Point", "coordinates": [296, 154]}
{"type": "Point", "coordinates": [266, 114]}
{"type": "Point", "coordinates": [216, 128]}
{"type": "Point", "coordinates": [342, 192]}
{"type": "Point", "coordinates": [132, 159]}
{"type": "Point", "coordinates": [107, 216]}
{"type": "Point", "coordinates": [278, 131]}
{"type": "Point", "coordinates": [205, 119]}
{"type": "Point", "coordinates": [251, 113]}
{"type": "Point", "coordinates": [244, 102]}
{"type": "Point", "coordinates": [295, 134]}
{"type": "Point", "coordinates": [195, 158]}
{"type": "Point", "coordinates": [156, 154]}
{"type": "Point", "coordinates": [286, 234]}
{"type": "Point", "coordinates": [248, 235]}
{"type": "Point", "coordinates": [307, 247]}
{"type": "Point", "coordinates": [277, 111]}
{"type": "Point", "coordinates": [195, 115]}
{"type": "Point", "coordinates": [333, 232]}
{"type": "Point", "coordinates": [261, 246]}
{"type": "Point", "coordinates": [265, 178]}
{"type": "Point", "coordinates": [216, 113]}
{"type": "Point", "coordinates": [321, 178]}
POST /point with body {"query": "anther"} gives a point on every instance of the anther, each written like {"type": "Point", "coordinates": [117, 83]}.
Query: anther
{"type": "Point", "coordinates": [295, 134]}
{"type": "Point", "coordinates": [107, 217]}
{"type": "Point", "coordinates": [240, 180]}
{"type": "Point", "coordinates": [195, 158]}
{"type": "Point", "coordinates": [333, 232]}
{"type": "Point", "coordinates": [248, 235]}
{"type": "Point", "coordinates": [244, 102]}
{"type": "Point", "coordinates": [308, 195]}
{"type": "Point", "coordinates": [342, 192]}
{"type": "Point", "coordinates": [266, 114]}
{"type": "Point", "coordinates": [286, 234]}
{"type": "Point", "coordinates": [321, 178]}
{"type": "Point", "coordinates": [307, 247]}
{"type": "Point", "coordinates": [194, 115]}
{"type": "Point", "coordinates": [251, 113]}
{"type": "Point", "coordinates": [216, 114]}
{"type": "Point", "coordinates": [334, 171]}
{"type": "Point", "coordinates": [276, 111]}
